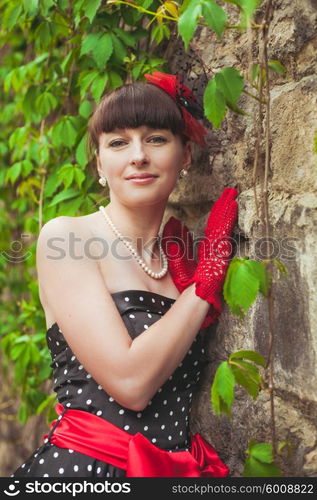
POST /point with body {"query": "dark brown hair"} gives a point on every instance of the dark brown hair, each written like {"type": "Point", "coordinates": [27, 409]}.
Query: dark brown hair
{"type": "Point", "coordinates": [134, 105]}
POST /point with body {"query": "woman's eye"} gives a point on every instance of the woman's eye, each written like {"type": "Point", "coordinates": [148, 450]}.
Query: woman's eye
{"type": "Point", "coordinates": [116, 143]}
{"type": "Point", "coordinates": [157, 139]}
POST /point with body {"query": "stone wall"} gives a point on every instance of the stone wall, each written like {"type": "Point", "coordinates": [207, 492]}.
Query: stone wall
{"type": "Point", "coordinates": [228, 161]}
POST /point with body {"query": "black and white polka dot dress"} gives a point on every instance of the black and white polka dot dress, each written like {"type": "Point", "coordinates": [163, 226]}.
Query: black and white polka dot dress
{"type": "Point", "coordinates": [165, 421]}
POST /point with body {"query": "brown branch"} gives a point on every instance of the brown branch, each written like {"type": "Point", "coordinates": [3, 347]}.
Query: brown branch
{"type": "Point", "coordinates": [270, 364]}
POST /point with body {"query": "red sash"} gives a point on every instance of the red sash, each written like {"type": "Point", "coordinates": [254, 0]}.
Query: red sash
{"type": "Point", "coordinates": [93, 436]}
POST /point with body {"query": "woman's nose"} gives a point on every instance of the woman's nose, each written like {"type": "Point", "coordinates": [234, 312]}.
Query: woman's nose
{"type": "Point", "coordinates": [138, 154]}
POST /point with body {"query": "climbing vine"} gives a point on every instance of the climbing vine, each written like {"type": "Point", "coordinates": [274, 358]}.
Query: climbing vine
{"type": "Point", "coordinates": [59, 57]}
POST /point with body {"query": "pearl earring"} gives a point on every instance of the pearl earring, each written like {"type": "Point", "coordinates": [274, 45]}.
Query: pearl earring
{"type": "Point", "coordinates": [182, 173]}
{"type": "Point", "coordinates": [103, 181]}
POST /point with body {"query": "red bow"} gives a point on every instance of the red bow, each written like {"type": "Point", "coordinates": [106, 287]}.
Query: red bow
{"type": "Point", "coordinates": [146, 460]}
{"type": "Point", "coordinates": [194, 130]}
{"type": "Point", "coordinates": [93, 436]}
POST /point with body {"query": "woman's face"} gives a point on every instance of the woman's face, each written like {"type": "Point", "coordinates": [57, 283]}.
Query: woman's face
{"type": "Point", "coordinates": [156, 153]}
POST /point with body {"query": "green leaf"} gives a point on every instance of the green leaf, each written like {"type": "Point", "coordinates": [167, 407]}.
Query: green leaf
{"type": "Point", "coordinates": [79, 177]}
{"type": "Point", "coordinates": [159, 32]}
{"type": "Point", "coordinates": [45, 103]}
{"type": "Point", "coordinates": [64, 132]}
{"type": "Point", "coordinates": [214, 104]}
{"type": "Point", "coordinates": [22, 363]}
{"type": "Point", "coordinates": [251, 355]}
{"type": "Point", "coordinates": [66, 194]}
{"type": "Point", "coordinates": [98, 86]}
{"type": "Point", "coordinates": [90, 8]}
{"type": "Point", "coordinates": [255, 72]}
{"type": "Point", "coordinates": [127, 37]}
{"type": "Point", "coordinates": [85, 80]}
{"type": "Point", "coordinates": [262, 452]}
{"type": "Point", "coordinates": [222, 390]}
{"type": "Point", "coordinates": [81, 155]}
{"type": "Point", "coordinates": [85, 109]}
{"type": "Point", "coordinates": [44, 35]}
{"type": "Point", "coordinates": [145, 3]}
{"type": "Point", "coordinates": [31, 7]}
{"type": "Point", "coordinates": [47, 402]}
{"type": "Point", "coordinates": [215, 16]}
{"type": "Point", "coordinates": [89, 43]}
{"type": "Point", "coordinates": [119, 50]}
{"type": "Point", "coordinates": [66, 174]}
{"type": "Point", "coordinates": [72, 207]}
{"type": "Point", "coordinates": [115, 79]}
{"type": "Point", "coordinates": [255, 468]}
{"type": "Point", "coordinates": [35, 355]}
{"type": "Point", "coordinates": [11, 15]}
{"type": "Point", "coordinates": [14, 172]}
{"type": "Point", "coordinates": [16, 351]}
{"type": "Point", "coordinates": [22, 339]}
{"type": "Point", "coordinates": [45, 6]}
{"type": "Point", "coordinates": [258, 269]}
{"type": "Point", "coordinates": [44, 370]}
{"type": "Point", "coordinates": [103, 50]}
{"type": "Point", "coordinates": [188, 20]}
{"type": "Point", "coordinates": [242, 378]}
{"type": "Point", "coordinates": [52, 184]}
{"type": "Point", "coordinates": [241, 286]}
{"type": "Point", "coordinates": [230, 82]}
{"type": "Point", "coordinates": [277, 66]}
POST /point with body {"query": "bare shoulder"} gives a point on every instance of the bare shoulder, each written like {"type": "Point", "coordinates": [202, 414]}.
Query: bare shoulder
{"type": "Point", "coordinates": [59, 235]}
{"type": "Point", "coordinates": [61, 246]}
{"type": "Point", "coordinates": [60, 225]}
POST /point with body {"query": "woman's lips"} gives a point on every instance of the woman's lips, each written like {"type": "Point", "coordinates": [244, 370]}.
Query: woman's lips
{"type": "Point", "coordinates": [142, 180]}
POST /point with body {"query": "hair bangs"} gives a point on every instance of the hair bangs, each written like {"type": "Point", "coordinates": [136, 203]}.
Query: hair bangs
{"type": "Point", "coordinates": [132, 106]}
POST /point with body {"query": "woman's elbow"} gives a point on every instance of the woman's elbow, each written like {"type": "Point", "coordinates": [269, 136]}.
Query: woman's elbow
{"type": "Point", "coordinates": [132, 397]}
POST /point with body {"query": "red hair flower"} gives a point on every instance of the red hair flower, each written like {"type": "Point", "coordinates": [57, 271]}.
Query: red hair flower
{"type": "Point", "coordinates": [184, 97]}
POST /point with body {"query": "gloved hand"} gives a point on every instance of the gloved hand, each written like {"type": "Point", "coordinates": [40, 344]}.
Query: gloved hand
{"type": "Point", "coordinates": [177, 244]}
{"type": "Point", "coordinates": [213, 250]}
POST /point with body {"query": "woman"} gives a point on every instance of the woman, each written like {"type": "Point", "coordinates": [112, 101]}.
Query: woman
{"type": "Point", "coordinates": [126, 330]}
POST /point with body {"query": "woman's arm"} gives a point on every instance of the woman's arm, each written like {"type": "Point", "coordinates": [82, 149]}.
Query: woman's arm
{"type": "Point", "coordinates": [131, 371]}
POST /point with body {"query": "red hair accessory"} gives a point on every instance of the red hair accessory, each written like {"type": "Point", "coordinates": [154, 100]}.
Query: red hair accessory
{"type": "Point", "coordinates": [191, 111]}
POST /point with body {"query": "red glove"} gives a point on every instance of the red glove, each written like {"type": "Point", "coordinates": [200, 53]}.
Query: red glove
{"type": "Point", "coordinates": [208, 275]}
{"type": "Point", "coordinates": [177, 244]}
{"type": "Point", "coordinates": [215, 250]}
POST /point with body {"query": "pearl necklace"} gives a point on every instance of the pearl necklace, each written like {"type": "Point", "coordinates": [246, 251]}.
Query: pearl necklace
{"type": "Point", "coordinates": [135, 254]}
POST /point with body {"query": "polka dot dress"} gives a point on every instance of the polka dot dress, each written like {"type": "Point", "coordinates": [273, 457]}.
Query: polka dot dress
{"type": "Point", "coordinates": [165, 420]}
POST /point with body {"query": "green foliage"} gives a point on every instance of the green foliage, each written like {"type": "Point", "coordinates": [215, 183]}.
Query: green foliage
{"type": "Point", "coordinates": [210, 13]}
{"type": "Point", "coordinates": [260, 462]}
{"type": "Point", "coordinates": [277, 66]}
{"type": "Point", "coordinates": [222, 389]}
{"type": "Point", "coordinates": [244, 279]}
{"type": "Point", "coordinates": [187, 24]}
{"type": "Point", "coordinates": [241, 369]}
{"type": "Point", "coordinates": [222, 92]}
